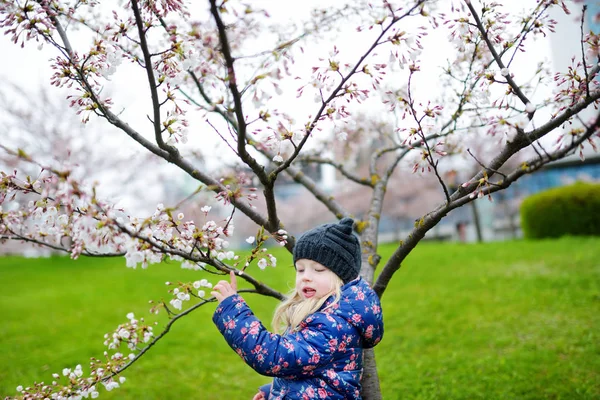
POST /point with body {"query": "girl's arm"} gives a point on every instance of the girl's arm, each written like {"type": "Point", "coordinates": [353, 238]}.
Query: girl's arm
{"type": "Point", "coordinates": [272, 354]}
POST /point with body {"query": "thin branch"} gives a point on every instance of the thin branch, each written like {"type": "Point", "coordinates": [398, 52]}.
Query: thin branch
{"type": "Point", "coordinates": [222, 138]}
{"type": "Point", "coordinates": [516, 89]}
{"type": "Point", "coordinates": [188, 198]}
{"type": "Point", "coordinates": [86, 253]}
{"type": "Point", "coordinates": [225, 269]}
{"type": "Point", "coordinates": [339, 167]}
{"type": "Point", "coordinates": [524, 31]}
{"type": "Point", "coordinates": [223, 113]}
{"type": "Point", "coordinates": [587, 78]}
{"type": "Point", "coordinates": [421, 133]}
{"type": "Point", "coordinates": [157, 338]}
{"type": "Point", "coordinates": [454, 118]}
{"type": "Point", "coordinates": [166, 330]}
{"type": "Point", "coordinates": [325, 198]}
{"type": "Point", "coordinates": [343, 81]}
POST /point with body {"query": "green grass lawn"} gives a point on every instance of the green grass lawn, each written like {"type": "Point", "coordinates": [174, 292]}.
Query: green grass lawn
{"type": "Point", "coordinates": [510, 320]}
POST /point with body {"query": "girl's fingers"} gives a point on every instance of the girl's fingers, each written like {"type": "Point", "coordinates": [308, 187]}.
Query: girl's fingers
{"type": "Point", "coordinates": [222, 285]}
{"type": "Point", "coordinates": [224, 289]}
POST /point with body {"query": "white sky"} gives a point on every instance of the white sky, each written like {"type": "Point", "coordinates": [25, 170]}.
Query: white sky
{"type": "Point", "coordinates": [29, 66]}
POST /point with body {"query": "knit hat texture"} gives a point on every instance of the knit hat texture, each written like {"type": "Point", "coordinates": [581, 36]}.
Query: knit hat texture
{"type": "Point", "coordinates": [332, 245]}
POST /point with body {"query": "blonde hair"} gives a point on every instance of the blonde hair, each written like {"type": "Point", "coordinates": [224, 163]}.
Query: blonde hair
{"type": "Point", "coordinates": [294, 309]}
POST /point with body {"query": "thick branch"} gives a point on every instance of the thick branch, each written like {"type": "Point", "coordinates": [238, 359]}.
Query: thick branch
{"type": "Point", "coordinates": [237, 97]}
{"type": "Point", "coordinates": [327, 200]}
{"type": "Point", "coordinates": [461, 196]}
{"type": "Point", "coordinates": [174, 156]}
{"type": "Point", "coordinates": [268, 181]}
{"type": "Point", "coordinates": [151, 80]}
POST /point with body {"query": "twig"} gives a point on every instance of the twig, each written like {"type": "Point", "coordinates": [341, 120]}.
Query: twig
{"type": "Point", "coordinates": [221, 136]}
{"type": "Point", "coordinates": [587, 78]}
{"type": "Point", "coordinates": [484, 167]}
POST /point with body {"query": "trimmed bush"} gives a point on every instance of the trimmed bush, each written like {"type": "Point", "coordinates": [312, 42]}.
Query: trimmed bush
{"type": "Point", "coordinates": [566, 210]}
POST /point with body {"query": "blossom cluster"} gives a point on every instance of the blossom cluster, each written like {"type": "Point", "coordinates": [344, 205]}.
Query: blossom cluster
{"type": "Point", "coordinates": [185, 291]}
{"type": "Point", "coordinates": [57, 210]}
{"type": "Point", "coordinates": [77, 383]}
{"type": "Point", "coordinates": [26, 21]}
{"type": "Point", "coordinates": [163, 233]}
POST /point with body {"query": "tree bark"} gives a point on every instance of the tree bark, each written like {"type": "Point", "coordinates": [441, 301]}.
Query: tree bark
{"type": "Point", "coordinates": [371, 389]}
{"type": "Point", "coordinates": [370, 380]}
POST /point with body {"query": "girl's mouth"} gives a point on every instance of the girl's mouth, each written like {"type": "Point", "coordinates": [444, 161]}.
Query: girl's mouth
{"type": "Point", "coordinates": [308, 292]}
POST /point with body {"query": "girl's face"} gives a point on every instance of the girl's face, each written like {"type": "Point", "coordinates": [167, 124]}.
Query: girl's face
{"type": "Point", "coordinates": [313, 280]}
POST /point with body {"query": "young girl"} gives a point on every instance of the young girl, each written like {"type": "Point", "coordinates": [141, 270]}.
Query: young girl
{"type": "Point", "coordinates": [326, 322]}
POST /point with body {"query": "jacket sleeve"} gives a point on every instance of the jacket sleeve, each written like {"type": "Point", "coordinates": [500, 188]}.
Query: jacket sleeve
{"type": "Point", "coordinates": [270, 354]}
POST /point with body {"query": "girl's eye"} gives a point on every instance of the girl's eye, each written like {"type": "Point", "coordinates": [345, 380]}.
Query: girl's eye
{"type": "Point", "coordinates": [299, 271]}
{"type": "Point", "coordinates": [319, 270]}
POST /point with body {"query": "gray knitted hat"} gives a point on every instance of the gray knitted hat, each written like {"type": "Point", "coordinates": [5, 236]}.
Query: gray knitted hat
{"type": "Point", "coordinates": [332, 245]}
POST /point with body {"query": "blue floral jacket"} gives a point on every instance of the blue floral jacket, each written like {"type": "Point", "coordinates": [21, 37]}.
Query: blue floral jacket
{"type": "Point", "coordinates": [323, 359]}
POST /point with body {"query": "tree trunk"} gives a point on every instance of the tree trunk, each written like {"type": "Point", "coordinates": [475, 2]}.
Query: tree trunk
{"type": "Point", "coordinates": [370, 260]}
{"type": "Point", "coordinates": [370, 380]}
{"type": "Point", "coordinates": [476, 222]}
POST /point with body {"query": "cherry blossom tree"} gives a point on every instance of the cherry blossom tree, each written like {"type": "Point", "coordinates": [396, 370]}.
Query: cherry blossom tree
{"type": "Point", "coordinates": [277, 95]}
{"type": "Point", "coordinates": [51, 134]}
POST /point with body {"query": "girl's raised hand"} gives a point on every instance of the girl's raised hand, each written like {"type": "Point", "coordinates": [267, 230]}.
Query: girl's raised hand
{"type": "Point", "coordinates": [224, 289]}
{"type": "Point", "coordinates": [259, 396]}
